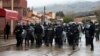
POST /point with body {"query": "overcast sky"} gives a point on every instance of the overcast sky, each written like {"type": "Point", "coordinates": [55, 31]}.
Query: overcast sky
{"type": "Point", "coordinates": [39, 3]}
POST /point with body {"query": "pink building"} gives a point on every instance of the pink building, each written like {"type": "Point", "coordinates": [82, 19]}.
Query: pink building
{"type": "Point", "coordinates": [19, 5]}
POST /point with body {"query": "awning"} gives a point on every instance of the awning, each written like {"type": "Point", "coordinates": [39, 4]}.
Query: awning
{"type": "Point", "coordinates": [2, 12]}
{"type": "Point", "coordinates": [9, 14]}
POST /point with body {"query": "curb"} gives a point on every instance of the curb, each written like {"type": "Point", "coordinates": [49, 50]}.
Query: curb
{"type": "Point", "coordinates": [6, 45]}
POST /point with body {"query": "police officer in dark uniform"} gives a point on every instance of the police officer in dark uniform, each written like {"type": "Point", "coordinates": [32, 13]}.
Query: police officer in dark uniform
{"type": "Point", "coordinates": [24, 33]}
{"type": "Point", "coordinates": [49, 35]}
{"type": "Point", "coordinates": [18, 31]}
{"type": "Point", "coordinates": [97, 31]}
{"type": "Point", "coordinates": [58, 32]}
{"type": "Point", "coordinates": [70, 34]}
{"type": "Point", "coordinates": [91, 33]}
{"type": "Point", "coordinates": [38, 32]}
{"type": "Point", "coordinates": [52, 34]}
{"type": "Point", "coordinates": [74, 35]}
{"type": "Point", "coordinates": [68, 30]}
{"type": "Point", "coordinates": [46, 40]}
{"type": "Point", "coordinates": [76, 30]}
{"type": "Point", "coordinates": [30, 33]}
{"type": "Point", "coordinates": [86, 31]}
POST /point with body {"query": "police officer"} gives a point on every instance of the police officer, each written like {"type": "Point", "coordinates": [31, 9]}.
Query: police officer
{"type": "Point", "coordinates": [30, 34]}
{"type": "Point", "coordinates": [70, 34]}
{"type": "Point", "coordinates": [38, 32]}
{"type": "Point", "coordinates": [91, 33]}
{"type": "Point", "coordinates": [76, 32]}
{"type": "Point", "coordinates": [18, 31]}
{"type": "Point", "coordinates": [49, 33]}
{"type": "Point", "coordinates": [24, 33]}
{"type": "Point", "coordinates": [67, 28]}
{"type": "Point", "coordinates": [52, 34]}
{"type": "Point", "coordinates": [97, 31]}
{"type": "Point", "coordinates": [46, 37]}
{"type": "Point", "coordinates": [58, 32]}
{"type": "Point", "coordinates": [86, 30]}
{"type": "Point", "coordinates": [74, 35]}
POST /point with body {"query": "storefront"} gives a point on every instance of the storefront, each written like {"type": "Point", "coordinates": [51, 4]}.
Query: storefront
{"type": "Point", "coordinates": [6, 16]}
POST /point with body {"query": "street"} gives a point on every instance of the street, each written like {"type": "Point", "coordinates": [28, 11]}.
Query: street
{"type": "Point", "coordinates": [8, 48]}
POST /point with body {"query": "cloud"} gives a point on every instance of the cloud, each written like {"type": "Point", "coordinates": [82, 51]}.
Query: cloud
{"type": "Point", "coordinates": [38, 3]}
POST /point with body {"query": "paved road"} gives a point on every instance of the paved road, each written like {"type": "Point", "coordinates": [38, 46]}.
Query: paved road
{"type": "Point", "coordinates": [8, 48]}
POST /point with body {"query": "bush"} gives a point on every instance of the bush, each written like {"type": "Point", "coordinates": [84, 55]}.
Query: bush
{"type": "Point", "coordinates": [67, 19]}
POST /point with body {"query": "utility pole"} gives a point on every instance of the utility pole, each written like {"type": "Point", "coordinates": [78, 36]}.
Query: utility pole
{"type": "Point", "coordinates": [44, 15]}
{"type": "Point", "coordinates": [12, 22]}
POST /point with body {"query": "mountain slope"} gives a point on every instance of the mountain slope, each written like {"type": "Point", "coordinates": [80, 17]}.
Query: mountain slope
{"type": "Point", "coordinates": [72, 8]}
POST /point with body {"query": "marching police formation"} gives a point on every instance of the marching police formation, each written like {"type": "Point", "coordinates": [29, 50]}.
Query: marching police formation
{"type": "Point", "coordinates": [50, 34]}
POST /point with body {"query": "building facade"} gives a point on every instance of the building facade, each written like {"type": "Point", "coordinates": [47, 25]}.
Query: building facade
{"type": "Point", "coordinates": [18, 5]}
{"type": "Point", "coordinates": [0, 3]}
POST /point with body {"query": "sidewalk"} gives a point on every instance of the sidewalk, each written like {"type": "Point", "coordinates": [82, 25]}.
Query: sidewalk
{"type": "Point", "coordinates": [7, 42]}
{"type": "Point", "coordinates": [10, 36]}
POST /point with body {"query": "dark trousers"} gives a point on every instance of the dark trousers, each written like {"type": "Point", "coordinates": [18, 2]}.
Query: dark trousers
{"type": "Point", "coordinates": [51, 40]}
{"type": "Point", "coordinates": [6, 36]}
{"type": "Point", "coordinates": [29, 37]}
{"type": "Point", "coordinates": [38, 40]}
{"type": "Point", "coordinates": [70, 40]}
{"type": "Point", "coordinates": [59, 40]}
{"type": "Point", "coordinates": [91, 43]}
{"type": "Point", "coordinates": [87, 40]}
{"type": "Point", "coordinates": [97, 36]}
{"type": "Point", "coordinates": [19, 41]}
{"type": "Point", "coordinates": [48, 40]}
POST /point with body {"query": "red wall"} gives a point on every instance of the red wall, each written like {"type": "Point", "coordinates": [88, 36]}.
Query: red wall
{"type": "Point", "coordinates": [2, 23]}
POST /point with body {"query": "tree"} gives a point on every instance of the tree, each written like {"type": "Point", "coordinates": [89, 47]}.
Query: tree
{"type": "Point", "coordinates": [67, 19]}
{"type": "Point", "coordinates": [97, 13]}
{"type": "Point", "coordinates": [60, 14]}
